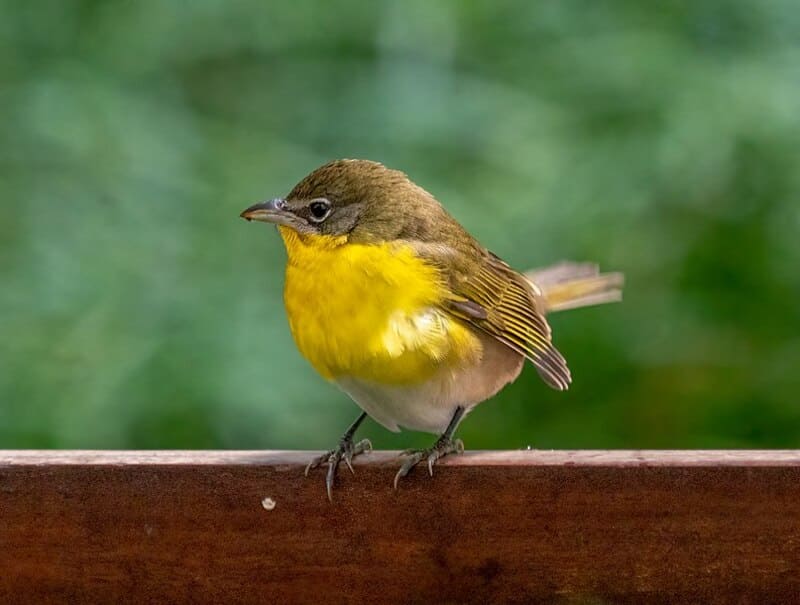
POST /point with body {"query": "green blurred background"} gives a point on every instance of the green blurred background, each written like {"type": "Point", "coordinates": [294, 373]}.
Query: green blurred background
{"type": "Point", "coordinates": [660, 139]}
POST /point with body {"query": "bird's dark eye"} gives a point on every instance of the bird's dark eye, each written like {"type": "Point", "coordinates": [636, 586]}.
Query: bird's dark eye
{"type": "Point", "coordinates": [320, 209]}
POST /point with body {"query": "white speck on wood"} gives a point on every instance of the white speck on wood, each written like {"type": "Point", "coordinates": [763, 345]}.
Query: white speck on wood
{"type": "Point", "coordinates": [268, 503]}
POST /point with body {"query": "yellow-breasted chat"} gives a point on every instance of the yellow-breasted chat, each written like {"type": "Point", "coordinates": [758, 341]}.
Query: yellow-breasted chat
{"type": "Point", "coordinates": [389, 297]}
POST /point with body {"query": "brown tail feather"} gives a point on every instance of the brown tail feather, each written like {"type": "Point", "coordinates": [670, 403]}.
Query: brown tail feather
{"type": "Point", "coordinates": [568, 285]}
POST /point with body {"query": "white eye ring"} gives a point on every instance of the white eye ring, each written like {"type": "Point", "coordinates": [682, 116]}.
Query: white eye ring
{"type": "Point", "coordinates": [319, 210]}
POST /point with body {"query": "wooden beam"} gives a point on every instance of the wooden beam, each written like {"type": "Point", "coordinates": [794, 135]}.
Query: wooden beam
{"type": "Point", "coordinates": [522, 526]}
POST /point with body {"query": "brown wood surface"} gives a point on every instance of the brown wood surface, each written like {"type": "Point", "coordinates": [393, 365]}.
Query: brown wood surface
{"type": "Point", "coordinates": [505, 527]}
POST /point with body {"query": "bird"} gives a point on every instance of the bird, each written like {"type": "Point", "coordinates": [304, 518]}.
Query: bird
{"type": "Point", "coordinates": [391, 299]}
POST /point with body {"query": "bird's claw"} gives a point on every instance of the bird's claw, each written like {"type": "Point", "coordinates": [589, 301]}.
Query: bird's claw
{"type": "Point", "coordinates": [441, 448]}
{"type": "Point", "coordinates": [345, 451]}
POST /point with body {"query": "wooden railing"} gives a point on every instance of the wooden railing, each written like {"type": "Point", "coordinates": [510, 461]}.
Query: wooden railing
{"type": "Point", "coordinates": [515, 527]}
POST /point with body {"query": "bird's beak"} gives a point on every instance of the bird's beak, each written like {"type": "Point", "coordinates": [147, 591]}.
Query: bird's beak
{"type": "Point", "coordinates": [273, 211]}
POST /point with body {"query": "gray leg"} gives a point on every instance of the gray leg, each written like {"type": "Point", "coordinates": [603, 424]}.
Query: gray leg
{"type": "Point", "coordinates": [444, 445]}
{"type": "Point", "coordinates": [346, 450]}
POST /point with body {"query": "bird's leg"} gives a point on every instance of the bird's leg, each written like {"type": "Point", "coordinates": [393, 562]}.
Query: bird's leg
{"type": "Point", "coordinates": [444, 445]}
{"type": "Point", "coordinates": [346, 450]}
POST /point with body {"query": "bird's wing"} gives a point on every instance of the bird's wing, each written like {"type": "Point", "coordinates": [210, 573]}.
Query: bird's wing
{"type": "Point", "coordinates": [502, 303]}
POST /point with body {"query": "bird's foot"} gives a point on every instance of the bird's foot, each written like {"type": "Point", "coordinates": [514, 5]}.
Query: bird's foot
{"type": "Point", "coordinates": [344, 452]}
{"type": "Point", "coordinates": [442, 447]}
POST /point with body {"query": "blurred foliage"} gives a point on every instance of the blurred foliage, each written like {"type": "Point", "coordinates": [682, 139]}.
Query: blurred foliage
{"type": "Point", "coordinates": [660, 139]}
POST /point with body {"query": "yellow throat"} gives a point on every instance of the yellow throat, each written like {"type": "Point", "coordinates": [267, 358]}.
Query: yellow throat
{"type": "Point", "coordinates": [370, 311]}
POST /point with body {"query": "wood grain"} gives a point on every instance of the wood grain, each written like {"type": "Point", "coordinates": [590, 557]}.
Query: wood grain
{"type": "Point", "coordinates": [489, 527]}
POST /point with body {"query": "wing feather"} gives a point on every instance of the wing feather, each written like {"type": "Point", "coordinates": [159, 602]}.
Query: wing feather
{"type": "Point", "coordinates": [488, 294]}
{"type": "Point", "coordinates": [512, 316]}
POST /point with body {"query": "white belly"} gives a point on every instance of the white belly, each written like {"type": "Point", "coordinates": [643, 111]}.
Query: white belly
{"type": "Point", "coordinates": [430, 406]}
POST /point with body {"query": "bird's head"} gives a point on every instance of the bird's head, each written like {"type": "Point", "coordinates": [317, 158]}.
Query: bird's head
{"type": "Point", "coordinates": [359, 200]}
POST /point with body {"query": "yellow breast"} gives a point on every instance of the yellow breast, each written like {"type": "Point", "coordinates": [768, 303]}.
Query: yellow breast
{"type": "Point", "coordinates": [370, 311]}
